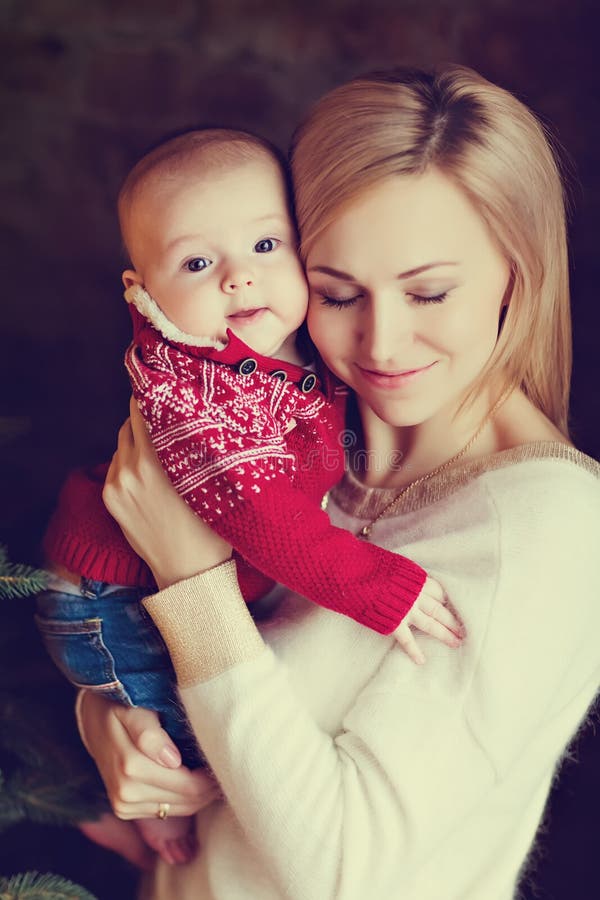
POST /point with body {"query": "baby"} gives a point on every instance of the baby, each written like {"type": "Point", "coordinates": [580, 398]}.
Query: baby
{"type": "Point", "coordinates": [248, 434]}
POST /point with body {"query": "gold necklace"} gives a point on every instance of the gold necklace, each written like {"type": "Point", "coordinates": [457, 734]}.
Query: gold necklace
{"type": "Point", "coordinates": [365, 531]}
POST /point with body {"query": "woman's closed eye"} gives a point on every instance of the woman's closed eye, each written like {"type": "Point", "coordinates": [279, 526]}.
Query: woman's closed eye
{"type": "Point", "coordinates": [429, 298]}
{"type": "Point", "coordinates": [342, 302]}
{"type": "Point", "coordinates": [338, 302]}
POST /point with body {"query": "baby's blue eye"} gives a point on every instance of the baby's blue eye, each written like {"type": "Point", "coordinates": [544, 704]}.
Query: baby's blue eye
{"type": "Point", "coordinates": [197, 264]}
{"type": "Point", "coordinates": [266, 246]}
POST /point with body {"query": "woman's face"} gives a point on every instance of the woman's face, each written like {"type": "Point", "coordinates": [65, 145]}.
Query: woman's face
{"type": "Point", "coordinates": [406, 288]}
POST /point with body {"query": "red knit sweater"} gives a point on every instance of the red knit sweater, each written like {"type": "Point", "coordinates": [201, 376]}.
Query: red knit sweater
{"type": "Point", "coordinates": [252, 452]}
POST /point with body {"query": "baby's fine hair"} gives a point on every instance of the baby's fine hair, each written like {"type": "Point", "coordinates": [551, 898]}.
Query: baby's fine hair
{"type": "Point", "coordinates": [211, 149]}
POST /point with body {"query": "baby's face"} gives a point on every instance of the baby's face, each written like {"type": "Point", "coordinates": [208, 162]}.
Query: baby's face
{"type": "Point", "coordinates": [219, 251]}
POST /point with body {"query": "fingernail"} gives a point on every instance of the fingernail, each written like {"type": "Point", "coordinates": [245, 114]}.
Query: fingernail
{"type": "Point", "coordinates": [169, 757]}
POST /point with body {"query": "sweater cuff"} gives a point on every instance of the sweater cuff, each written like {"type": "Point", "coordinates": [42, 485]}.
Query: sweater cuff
{"type": "Point", "coordinates": [219, 631]}
{"type": "Point", "coordinates": [402, 589]}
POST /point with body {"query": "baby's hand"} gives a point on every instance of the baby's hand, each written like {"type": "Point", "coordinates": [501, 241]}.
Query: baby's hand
{"type": "Point", "coordinates": [429, 614]}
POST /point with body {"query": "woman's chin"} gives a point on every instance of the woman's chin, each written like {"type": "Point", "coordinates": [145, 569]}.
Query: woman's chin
{"type": "Point", "coordinates": [398, 413]}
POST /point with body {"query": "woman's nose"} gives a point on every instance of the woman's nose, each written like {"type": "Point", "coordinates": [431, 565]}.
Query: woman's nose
{"type": "Point", "coordinates": [386, 327]}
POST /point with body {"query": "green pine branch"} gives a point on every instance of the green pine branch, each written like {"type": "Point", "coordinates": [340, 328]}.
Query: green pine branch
{"type": "Point", "coordinates": [47, 776]}
{"type": "Point", "coordinates": [36, 795]}
{"type": "Point", "coordinates": [18, 580]}
{"type": "Point", "coordinates": [33, 886]}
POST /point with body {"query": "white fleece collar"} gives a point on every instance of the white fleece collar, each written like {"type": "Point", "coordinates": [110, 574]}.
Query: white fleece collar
{"type": "Point", "coordinates": [149, 308]}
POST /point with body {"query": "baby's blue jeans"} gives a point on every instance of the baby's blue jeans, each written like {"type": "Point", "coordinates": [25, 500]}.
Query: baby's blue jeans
{"type": "Point", "coordinates": [102, 639]}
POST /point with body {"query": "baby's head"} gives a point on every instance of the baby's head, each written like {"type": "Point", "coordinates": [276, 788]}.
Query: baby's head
{"type": "Point", "coordinates": [207, 224]}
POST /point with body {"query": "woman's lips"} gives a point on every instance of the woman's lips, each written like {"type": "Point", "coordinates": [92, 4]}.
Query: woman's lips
{"type": "Point", "coordinates": [393, 379]}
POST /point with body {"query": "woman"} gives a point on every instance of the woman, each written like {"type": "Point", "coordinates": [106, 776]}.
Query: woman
{"type": "Point", "coordinates": [432, 225]}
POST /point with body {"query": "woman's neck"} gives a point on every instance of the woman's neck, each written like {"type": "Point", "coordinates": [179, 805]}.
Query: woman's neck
{"type": "Point", "coordinates": [395, 456]}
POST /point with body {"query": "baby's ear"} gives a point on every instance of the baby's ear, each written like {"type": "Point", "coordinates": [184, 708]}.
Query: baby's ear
{"type": "Point", "coordinates": [130, 276]}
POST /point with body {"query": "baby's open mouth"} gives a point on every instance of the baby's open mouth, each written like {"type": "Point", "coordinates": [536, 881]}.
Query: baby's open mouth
{"type": "Point", "coordinates": [248, 314]}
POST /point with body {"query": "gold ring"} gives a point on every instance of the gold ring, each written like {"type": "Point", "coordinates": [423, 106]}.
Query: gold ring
{"type": "Point", "coordinates": [163, 810]}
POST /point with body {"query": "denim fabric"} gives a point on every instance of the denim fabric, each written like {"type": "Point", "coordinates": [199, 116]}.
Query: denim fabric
{"type": "Point", "coordinates": [102, 639]}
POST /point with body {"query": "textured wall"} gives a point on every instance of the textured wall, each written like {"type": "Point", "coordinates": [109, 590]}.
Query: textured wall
{"type": "Point", "coordinates": [88, 84]}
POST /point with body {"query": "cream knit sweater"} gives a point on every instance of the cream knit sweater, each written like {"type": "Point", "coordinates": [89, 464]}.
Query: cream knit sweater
{"type": "Point", "coordinates": [352, 773]}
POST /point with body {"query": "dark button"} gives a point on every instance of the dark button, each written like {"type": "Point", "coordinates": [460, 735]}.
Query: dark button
{"type": "Point", "coordinates": [279, 373]}
{"type": "Point", "coordinates": [308, 383]}
{"type": "Point", "coordinates": [247, 366]}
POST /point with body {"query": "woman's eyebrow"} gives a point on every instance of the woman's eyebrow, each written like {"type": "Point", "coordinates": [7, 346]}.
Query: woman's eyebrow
{"type": "Point", "coordinates": [433, 265]}
{"type": "Point", "coordinates": [410, 273]}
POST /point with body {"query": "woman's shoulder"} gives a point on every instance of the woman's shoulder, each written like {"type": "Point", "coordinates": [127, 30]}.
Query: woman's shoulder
{"type": "Point", "coordinates": [540, 469]}
{"type": "Point", "coordinates": [542, 492]}
{"type": "Point", "coordinates": [531, 449]}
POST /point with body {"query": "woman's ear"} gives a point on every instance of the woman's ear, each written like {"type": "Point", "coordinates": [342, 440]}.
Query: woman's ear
{"type": "Point", "coordinates": [130, 276]}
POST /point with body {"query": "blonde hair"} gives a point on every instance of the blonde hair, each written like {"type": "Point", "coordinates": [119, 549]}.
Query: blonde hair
{"type": "Point", "coordinates": [401, 123]}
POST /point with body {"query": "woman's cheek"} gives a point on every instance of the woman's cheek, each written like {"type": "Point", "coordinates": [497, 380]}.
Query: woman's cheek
{"type": "Point", "coordinates": [316, 321]}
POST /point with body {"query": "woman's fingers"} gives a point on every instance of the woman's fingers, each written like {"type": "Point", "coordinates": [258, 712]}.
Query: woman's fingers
{"type": "Point", "coordinates": [132, 799]}
{"type": "Point", "coordinates": [149, 737]}
{"type": "Point", "coordinates": [138, 429]}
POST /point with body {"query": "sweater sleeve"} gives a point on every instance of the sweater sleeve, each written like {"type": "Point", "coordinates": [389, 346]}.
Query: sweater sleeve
{"type": "Point", "coordinates": [359, 812]}
{"type": "Point", "coordinates": [223, 448]}
{"type": "Point", "coordinates": [331, 817]}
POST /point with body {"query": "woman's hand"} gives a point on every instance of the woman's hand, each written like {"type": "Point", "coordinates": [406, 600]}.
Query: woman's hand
{"type": "Point", "coordinates": [139, 763]}
{"type": "Point", "coordinates": [158, 524]}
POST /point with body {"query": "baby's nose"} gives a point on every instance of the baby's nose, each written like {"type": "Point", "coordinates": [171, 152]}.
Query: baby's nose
{"type": "Point", "coordinates": [236, 279]}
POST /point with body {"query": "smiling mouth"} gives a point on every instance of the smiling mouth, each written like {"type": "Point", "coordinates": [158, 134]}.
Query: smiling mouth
{"type": "Point", "coordinates": [393, 379]}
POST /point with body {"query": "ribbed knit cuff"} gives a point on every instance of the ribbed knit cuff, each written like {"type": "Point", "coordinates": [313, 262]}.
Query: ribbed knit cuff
{"type": "Point", "coordinates": [402, 589]}
{"type": "Point", "coordinates": [91, 559]}
{"type": "Point", "coordinates": [219, 631]}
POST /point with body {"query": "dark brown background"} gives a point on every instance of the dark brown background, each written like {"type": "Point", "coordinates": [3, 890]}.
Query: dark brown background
{"type": "Point", "coordinates": [87, 86]}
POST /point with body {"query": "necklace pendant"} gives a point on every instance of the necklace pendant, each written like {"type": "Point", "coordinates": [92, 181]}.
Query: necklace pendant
{"type": "Point", "coordinates": [365, 532]}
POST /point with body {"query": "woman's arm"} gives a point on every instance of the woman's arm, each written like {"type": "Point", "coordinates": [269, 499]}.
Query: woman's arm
{"type": "Point", "coordinates": [362, 811]}
{"type": "Point", "coordinates": [320, 810]}
{"type": "Point", "coordinates": [330, 817]}
{"type": "Point", "coordinates": [422, 753]}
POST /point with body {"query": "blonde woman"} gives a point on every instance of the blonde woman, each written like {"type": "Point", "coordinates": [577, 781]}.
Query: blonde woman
{"type": "Point", "coordinates": [431, 215]}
